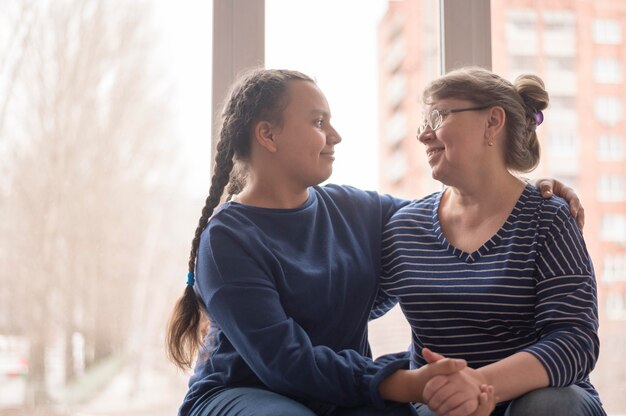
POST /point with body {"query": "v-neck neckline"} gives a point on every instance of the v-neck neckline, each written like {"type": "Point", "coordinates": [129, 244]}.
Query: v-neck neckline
{"type": "Point", "coordinates": [490, 243]}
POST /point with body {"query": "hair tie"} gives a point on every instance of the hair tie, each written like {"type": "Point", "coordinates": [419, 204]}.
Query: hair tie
{"type": "Point", "coordinates": [190, 279]}
{"type": "Point", "coordinates": [538, 117]}
{"type": "Point", "coordinates": [536, 120]}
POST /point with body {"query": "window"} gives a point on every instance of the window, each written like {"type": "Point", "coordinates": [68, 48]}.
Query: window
{"type": "Point", "coordinates": [611, 188]}
{"type": "Point", "coordinates": [560, 63]}
{"type": "Point", "coordinates": [608, 32]}
{"type": "Point", "coordinates": [616, 305]}
{"type": "Point", "coordinates": [608, 109]}
{"type": "Point", "coordinates": [559, 35]}
{"type": "Point", "coordinates": [562, 102]}
{"type": "Point", "coordinates": [524, 63]}
{"type": "Point", "coordinates": [613, 228]}
{"type": "Point", "coordinates": [396, 127]}
{"type": "Point", "coordinates": [521, 32]}
{"type": "Point", "coordinates": [614, 268]}
{"type": "Point", "coordinates": [396, 90]}
{"type": "Point", "coordinates": [564, 143]}
{"type": "Point", "coordinates": [398, 166]}
{"type": "Point", "coordinates": [607, 71]}
{"type": "Point", "coordinates": [610, 147]}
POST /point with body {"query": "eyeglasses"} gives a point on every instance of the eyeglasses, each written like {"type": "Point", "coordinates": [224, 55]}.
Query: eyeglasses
{"type": "Point", "coordinates": [434, 118]}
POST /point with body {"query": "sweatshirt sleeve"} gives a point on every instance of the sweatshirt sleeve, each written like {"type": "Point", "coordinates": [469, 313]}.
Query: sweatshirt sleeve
{"type": "Point", "coordinates": [241, 297]}
{"type": "Point", "coordinates": [566, 310]}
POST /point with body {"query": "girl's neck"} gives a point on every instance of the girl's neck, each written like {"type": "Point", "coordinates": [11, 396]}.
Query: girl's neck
{"type": "Point", "coordinates": [266, 195]}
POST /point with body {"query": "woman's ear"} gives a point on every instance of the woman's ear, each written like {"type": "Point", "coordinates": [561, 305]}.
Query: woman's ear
{"type": "Point", "coordinates": [264, 135]}
{"type": "Point", "coordinates": [495, 121]}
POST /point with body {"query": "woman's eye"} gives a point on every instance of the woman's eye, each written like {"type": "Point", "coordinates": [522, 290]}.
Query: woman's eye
{"type": "Point", "coordinates": [319, 122]}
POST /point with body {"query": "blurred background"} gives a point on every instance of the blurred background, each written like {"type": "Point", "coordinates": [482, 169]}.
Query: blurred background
{"type": "Point", "coordinates": [105, 142]}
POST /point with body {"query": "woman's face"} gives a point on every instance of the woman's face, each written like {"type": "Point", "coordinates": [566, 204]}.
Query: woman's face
{"type": "Point", "coordinates": [306, 139]}
{"type": "Point", "coordinates": [457, 147]}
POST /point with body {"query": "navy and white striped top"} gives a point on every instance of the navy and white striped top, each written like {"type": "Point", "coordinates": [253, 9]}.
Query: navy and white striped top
{"type": "Point", "coordinates": [531, 288]}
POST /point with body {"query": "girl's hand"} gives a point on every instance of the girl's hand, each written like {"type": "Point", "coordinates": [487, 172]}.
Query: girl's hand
{"type": "Point", "coordinates": [548, 186]}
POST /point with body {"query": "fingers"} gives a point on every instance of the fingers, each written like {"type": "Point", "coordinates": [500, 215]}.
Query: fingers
{"type": "Point", "coordinates": [431, 356]}
{"type": "Point", "coordinates": [486, 401]}
{"type": "Point", "coordinates": [546, 187]}
{"type": "Point", "coordinates": [446, 366]}
{"type": "Point", "coordinates": [458, 404]}
{"type": "Point", "coordinates": [468, 407]}
{"type": "Point", "coordinates": [549, 187]}
{"type": "Point", "coordinates": [580, 218]}
{"type": "Point", "coordinates": [432, 387]}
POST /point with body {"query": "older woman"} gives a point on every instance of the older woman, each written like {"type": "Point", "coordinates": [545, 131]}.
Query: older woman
{"type": "Point", "coordinates": [487, 269]}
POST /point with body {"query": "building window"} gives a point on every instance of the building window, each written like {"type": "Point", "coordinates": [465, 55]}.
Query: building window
{"type": "Point", "coordinates": [610, 147]}
{"type": "Point", "coordinates": [395, 54]}
{"type": "Point", "coordinates": [616, 305]}
{"type": "Point", "coordinates": [613, 228]}
{"type": "Point", "coordinates": [396, 90]}
{"type": "Point", "coordinates": [608, 32]}
{"type": "Point", "coordinates": [397, 127]}
{"type": "Point", "coordinates": [608, 110]}
{"type": "Point", "coordinates": [398, 166]}
{"type": "Point", "coordinates": [611, 188]}
{"type": "Point", "coordinates": [562, 102]}
{"type": "Point", "coordinates": [614, 268]}
{"type": "Point", "coordinates": [564, 144]}
{"type": "Point", "coordinates": [560, 63]}
{"type": "Point", "coordinates": [607, 71]}
{"type": "Point", "coordinates": [524, 63]}
{"type": "Point", "coordinates": [521, 32]}
{"type": "Point", "coordinates": [559, 35]}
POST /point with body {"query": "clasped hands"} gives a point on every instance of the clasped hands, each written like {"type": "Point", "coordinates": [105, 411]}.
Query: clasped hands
{"type": "Point", "coordinates": [460, 393]}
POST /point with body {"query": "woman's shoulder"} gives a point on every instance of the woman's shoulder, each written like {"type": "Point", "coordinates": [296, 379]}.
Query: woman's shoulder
{"type": "Point", "coordinates": [553, 206]}
{"type": "Point", "coordinates": [426, 203]}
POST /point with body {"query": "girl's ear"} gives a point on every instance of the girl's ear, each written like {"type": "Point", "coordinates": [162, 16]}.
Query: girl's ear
{"type": "Point", "coordinates": [264, 135]}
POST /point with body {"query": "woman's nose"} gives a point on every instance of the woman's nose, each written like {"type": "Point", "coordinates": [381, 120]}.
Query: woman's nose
{"type": "Point", "coordinates": [425, 136]}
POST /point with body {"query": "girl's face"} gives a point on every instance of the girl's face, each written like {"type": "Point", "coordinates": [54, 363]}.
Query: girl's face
{"type": "Point", "coordinates": [456, 148]}
{"type": "Point", "coordinates": [306, 139]}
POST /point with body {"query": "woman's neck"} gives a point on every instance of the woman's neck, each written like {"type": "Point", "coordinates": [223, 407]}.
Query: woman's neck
{"type": "Point", "coordinates": [469, 216]}
{"type": "Point", "coordinates": [483, 196]}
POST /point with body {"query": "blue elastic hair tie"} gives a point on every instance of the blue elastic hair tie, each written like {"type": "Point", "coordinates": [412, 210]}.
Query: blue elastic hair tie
{"type": "Point", "coordinates": [190, 279]}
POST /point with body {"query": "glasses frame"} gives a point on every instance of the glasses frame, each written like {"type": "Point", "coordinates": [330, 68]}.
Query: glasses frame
{"type": "Point", "coordinates": [439, 115]}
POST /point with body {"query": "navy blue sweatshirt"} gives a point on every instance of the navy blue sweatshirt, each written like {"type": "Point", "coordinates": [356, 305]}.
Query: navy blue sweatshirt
{"type": "Point", "coordinates": [289, 293]}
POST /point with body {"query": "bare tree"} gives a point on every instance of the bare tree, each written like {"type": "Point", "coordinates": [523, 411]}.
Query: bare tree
{"type": "Point", "coordinates": [89, 163]}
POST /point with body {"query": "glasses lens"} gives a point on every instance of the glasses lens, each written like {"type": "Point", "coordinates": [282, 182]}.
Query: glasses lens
{"type": "Point", "coordinates": [434, 119]}
{"type": "Point", "coordinates": [421, 128]}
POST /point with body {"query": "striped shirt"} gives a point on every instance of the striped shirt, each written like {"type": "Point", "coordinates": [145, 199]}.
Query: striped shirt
{"type": "Point", "coordinates": [531, 287]}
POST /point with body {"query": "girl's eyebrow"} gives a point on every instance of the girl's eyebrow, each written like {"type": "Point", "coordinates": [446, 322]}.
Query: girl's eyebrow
{"type": "Point", "coordinates": [320, 112]}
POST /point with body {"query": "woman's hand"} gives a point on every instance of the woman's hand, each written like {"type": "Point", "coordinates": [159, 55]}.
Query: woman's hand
{"type": "Point", "coordinates": [548, 186]}
{"type": "Point", "coordinates": [486, 401]}
{"type": "Point", "coordinates": [456, 394]}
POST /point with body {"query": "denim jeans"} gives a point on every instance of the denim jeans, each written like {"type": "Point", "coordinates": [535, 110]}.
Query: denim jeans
{"type": "Point", "coordinates": [556, 401]}
{"type": "Point", "coordinates": [550, 401]}
{"type": "Point", "coordinates": [250, 401]}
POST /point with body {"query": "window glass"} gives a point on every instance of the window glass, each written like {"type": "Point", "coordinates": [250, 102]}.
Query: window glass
{"type": "Point", "coordinates": [607, 31]}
